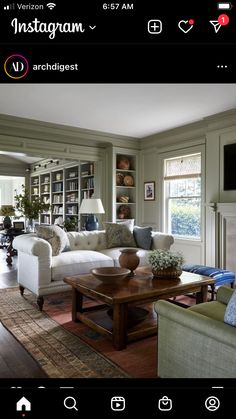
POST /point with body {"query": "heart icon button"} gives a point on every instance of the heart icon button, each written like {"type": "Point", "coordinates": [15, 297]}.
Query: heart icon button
{"type": "Point", "coordinates": [186, 25]}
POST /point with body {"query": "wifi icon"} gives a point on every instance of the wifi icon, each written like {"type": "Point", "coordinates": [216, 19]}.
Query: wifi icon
{"type": "Point", "coordinates": [51, 5]}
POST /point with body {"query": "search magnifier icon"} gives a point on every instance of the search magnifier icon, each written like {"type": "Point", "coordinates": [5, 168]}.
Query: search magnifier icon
{"type": "Point", "coordinates": [70, 403]}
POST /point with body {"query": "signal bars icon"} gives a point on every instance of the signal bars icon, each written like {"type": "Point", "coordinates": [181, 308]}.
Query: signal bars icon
{"type": "Point", "coordinates": [51, 5]}
{"type": "Point", "coordinates": [9, 7]}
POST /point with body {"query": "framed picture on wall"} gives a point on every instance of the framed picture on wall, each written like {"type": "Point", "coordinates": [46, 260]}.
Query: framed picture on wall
{"type": "Point", "coordinates": [149, 191]}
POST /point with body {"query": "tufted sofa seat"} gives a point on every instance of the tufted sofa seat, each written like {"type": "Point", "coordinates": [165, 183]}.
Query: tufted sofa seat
{"type": "Point", "coordinates": [43, 274]}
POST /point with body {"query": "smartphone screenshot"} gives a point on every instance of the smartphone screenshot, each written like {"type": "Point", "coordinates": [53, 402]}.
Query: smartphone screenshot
{"type": "Point", "coordinates": [117, 208]}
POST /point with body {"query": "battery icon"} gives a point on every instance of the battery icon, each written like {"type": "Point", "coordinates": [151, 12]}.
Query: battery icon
{"type": "Point", "coordinates": [224, 6]}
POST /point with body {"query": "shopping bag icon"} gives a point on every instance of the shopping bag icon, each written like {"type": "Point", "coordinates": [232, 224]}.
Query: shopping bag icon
{"type": "Point", "coordinates": [164, 404]}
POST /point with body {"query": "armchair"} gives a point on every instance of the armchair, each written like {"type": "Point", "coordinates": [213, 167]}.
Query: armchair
{"type": "Point", "coordinates": [195, 342]}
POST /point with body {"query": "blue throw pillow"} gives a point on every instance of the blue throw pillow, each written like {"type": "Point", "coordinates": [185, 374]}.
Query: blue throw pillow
{"type": "Point", "coordinates": [143, 237]}
{"type": "Point", "coordinates": [230, 312]}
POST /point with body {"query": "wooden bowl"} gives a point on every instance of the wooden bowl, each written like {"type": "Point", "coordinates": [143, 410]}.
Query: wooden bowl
{"type": "Point", "coordinates": [110, 274]}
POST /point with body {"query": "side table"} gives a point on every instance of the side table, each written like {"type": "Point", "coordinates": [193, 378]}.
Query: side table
{"type": "Point", "coordinates": [10, 235]}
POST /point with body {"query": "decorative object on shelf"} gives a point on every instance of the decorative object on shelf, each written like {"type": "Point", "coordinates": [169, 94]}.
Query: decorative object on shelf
{"type": "Point", "coordinates": [165, 263]}
{"type": "Point", "coordinates": [123, 198]}
{"type": "Point", "coordinates": [29, 209]}
{"type": "Point", "coordinates": [7, 211]}
{"type": "Point", "coordinates": [123, 163]}
{"type": "Point", "coordinates": [128, 180]}
{"type": "Point", "coordinates": [110, 274]}
{"type": "Point", "coordinates": [129, 259]}
{"type": "Point", "coordinates": [149, 191]}
{"type": "Point", "coordinates": [58, 176]}
{"type": "Point", "coordinates": [123, 212]}
{"type": "Point", "coordinates": [72, 174]}
{"type": "Point", "coordinates": [119, 179]}
{"type": "Point", "coordinates": [90, 207]}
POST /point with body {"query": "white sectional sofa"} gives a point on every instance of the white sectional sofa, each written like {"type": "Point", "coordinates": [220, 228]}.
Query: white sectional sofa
{"type": "Point", "coordinates": [43, 274]}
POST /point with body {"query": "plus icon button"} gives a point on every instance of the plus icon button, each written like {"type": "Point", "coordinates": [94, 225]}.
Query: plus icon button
{"type": "Point", "coordinates": [154, 26]}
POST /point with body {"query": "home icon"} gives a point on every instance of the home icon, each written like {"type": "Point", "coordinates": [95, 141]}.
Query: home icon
{"type": "Point", "coordinates": [23, 404]}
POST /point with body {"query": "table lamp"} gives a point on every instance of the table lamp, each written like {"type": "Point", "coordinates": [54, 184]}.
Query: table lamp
{"type": "Point", "coordinates": [90, 207]}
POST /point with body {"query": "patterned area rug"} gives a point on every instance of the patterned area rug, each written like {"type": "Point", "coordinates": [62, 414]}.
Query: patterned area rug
{"type": "Point", "coordinates": [60, 353]}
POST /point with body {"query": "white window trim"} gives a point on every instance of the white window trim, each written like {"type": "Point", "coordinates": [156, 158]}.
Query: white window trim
{"type": "Point", "coordinates": [163, 216]}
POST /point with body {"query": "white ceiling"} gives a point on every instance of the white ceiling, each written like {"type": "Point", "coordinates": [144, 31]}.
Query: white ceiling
{"type": "Point", "coordinates": [136, 110]}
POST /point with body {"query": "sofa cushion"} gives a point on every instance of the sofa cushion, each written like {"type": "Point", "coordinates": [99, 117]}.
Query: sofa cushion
{"type": "Point", "coordinates": [119, 235]}
{"type": "Point", "coordinates": [212, 309]}
{"type": "Point", "coordinates": [87, 240]}
{"type": "Point", "coordinates": [143, 237]}
{"type": "Point", "coordinates": [230, 312]}
{"type": "Point", "coordinates": [55, 236]}
{"type": "Point", "coordinates": [76, 263]}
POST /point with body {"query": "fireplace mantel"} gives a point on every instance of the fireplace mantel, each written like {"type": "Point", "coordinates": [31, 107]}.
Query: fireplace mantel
{"type": "Point", "coordinates": [225, 234]}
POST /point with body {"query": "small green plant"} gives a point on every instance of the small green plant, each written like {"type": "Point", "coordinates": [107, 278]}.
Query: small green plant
{"type": "Point", "coordinates": [27, 207]}
{"type": "Point", "coordinates": [71, 224]}
{"type": "Point", "coordinates": [162, 259]}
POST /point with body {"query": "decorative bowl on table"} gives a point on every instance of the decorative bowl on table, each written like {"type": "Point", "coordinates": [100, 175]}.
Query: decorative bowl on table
{"type": "Point", "coordinates": [110, 274]}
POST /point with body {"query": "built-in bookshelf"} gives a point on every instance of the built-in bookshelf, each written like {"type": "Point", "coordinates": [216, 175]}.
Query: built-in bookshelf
{"type": "Point", "coordinates": [125, 187]}
{"type": "Point", "coordinates": [45, 193]}
{"type": "Point", "coordinates": [72, 192]}
{"type": "Point", "coordinates": [87, 186]}
{"type": "Point", "coordinates": [63, 187]}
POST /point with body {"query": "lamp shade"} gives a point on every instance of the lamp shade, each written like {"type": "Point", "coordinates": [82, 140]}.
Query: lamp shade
{"type": "Point", "coordinates": [7, 210]}
{"type": "Point", "coordinates": [91, 206]}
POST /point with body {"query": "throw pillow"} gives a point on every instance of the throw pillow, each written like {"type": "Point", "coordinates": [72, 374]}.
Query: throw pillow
{"type": "Point", "coordinates": [119, 235]}
{"type": "Point", "coordinates": [143, 237]}
{"type": "Point", "coordinates": [230, 312]}
{"type": "Point", "coordinates": [129, 223]}
{"type": "Point", "coordinates": [55, 236]}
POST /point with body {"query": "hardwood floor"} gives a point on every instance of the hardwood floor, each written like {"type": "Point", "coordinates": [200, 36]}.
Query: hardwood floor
{"type": "Point", "coordinates": [7, 273]}
{"type": "Point", "coordinates": [15, 361]}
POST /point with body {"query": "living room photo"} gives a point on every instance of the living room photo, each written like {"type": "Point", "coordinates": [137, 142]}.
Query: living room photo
{"type": "Point", "coordinates": [117, 230]}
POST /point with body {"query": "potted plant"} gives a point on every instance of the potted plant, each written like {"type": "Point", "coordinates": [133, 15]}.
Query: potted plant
{"type": "Point", "coordinates": [71, 224]}
{"type": "Point", "coordinates": [166, 263]}
{"type": "Point", "coordinates": [7, 211]}
{"type": "Point", "coordinates": [29, 208]}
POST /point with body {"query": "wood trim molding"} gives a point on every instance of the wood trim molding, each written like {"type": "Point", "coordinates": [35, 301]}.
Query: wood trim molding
{"type": "Point", "coordinates": [23, 128]}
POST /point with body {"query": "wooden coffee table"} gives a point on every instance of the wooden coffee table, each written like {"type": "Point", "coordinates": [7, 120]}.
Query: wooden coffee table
{"type": "Point", "coordinates": [114, 301]}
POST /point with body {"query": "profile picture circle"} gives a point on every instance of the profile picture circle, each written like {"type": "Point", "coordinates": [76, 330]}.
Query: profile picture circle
{"type": "Point", "coordinates": [16, 66]}
{"type": "Point", "coordinates": [212, 403]}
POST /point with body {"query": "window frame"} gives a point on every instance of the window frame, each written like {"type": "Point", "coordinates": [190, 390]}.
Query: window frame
{"type": "Point", "coordinates": [164, 214]}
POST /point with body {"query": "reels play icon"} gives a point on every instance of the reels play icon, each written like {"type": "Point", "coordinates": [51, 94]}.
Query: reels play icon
{"type": "Point", "coordinates": [16, 66]}
{"type": "Point", "coordinates": [118, 403]}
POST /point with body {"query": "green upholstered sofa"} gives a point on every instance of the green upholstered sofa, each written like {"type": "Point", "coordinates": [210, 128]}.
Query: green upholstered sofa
{"type": "Point", "coordinates": [195, 342]}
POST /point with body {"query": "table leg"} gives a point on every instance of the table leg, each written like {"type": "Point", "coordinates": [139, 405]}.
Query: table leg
{"type": "Point", "coordinates": [201, 296]}
{"type": "Point", "coordinates": [77, 304]}
{"type": "Point", "coordinates": [10, 253]}
{"type": "Point", "coordinates": [119, 332]}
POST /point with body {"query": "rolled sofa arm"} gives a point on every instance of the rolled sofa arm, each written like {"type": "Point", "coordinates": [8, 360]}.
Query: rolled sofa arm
{"type": "Point", "coordinates": [215, 329]}
{"type": "Point", "coordinates": [34, 262]}
{"type": "Point", "coordinates": [191, 345]}
{"type": "Point", "coordinates": [161, 240]}
{"type": "Point", "coordinates": [32, 245]}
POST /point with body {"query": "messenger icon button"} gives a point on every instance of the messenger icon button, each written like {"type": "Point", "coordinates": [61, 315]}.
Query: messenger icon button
{"type": "Point", "coordinates": [164, 404]}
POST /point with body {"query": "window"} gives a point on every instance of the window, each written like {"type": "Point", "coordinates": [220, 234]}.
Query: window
{"type": "Point", "coordinates": [183, 196]}
{"type": "Point", "coordinates": [8, 186]}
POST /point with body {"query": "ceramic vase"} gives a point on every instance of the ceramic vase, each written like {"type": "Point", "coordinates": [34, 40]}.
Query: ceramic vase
{"type": "Point", "coordinates": [129, 259]}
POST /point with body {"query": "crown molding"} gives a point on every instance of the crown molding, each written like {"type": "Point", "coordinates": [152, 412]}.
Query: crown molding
{"type": "Point", "coordinates": [219, 121]}
{"type": "Point", "coordinates": [59, 133]}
